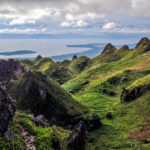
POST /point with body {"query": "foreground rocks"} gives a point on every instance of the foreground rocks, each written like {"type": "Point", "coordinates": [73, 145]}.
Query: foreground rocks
{"type": "Point", "coordinates": [7, 110]}
{"type": "Point", "coordinates": [28, 139]}
{"type": "Point", "coordinates": [40, 121]}
{"type": "Point", "coordinates": [76, 140]}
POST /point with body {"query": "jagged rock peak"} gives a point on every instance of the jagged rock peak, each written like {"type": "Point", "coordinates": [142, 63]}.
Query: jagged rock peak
{"type": "Point", "coordinates": [10, 69]}
{"type": "Point", "coordinates": [38, 57]}
{"type": "Point", "coordinates": [108, 49]}
{"type": "Point", "coordinates": [144, 41]}
{"type": "Point", "coordinates": [76, 140]}
{"type": "Point", "coordinates": [7, 110]}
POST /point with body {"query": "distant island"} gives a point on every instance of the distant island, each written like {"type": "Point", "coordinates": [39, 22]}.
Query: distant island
{"type": "Point", "coordinates": [20, 52]}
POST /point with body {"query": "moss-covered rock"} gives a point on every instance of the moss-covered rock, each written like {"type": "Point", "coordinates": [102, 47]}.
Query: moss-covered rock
{"type": "Point", "coordinates": [135, 90]}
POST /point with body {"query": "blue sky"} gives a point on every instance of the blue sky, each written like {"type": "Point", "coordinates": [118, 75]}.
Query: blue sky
{"type": "Point", "coordinates": [74, 18]}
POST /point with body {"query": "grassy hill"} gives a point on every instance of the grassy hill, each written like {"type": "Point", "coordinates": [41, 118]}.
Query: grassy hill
{"type": "Point", "coordinates": [116, 76]}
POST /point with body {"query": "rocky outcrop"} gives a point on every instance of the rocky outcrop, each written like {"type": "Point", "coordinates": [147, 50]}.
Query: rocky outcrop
{"type": "Point", "coordinates": [40, 121]}
{"type": "Point", "coordinates": [10, 70]}
{"type": "Point", "coordinates": [76, 140]}
{"type": "Point", "coordinates": [28, 140]}
{"type": "Point", "coordinates": [7, 110]}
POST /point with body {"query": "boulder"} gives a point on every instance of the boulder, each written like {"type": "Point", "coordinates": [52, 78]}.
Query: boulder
{"type": "Point", "coordinates": [76, 140]}
{"type": "Point", "coordinates": [40, 121]}
{"type": "Point", "coordinates": [7, 110]}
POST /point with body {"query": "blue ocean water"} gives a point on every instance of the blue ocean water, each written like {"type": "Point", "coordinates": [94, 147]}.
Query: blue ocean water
{"type": "Point", "coordinates": [54, 47]}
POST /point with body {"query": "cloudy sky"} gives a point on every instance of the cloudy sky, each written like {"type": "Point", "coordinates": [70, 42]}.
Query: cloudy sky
{"type": "Point", "coordinates": [75, 17]}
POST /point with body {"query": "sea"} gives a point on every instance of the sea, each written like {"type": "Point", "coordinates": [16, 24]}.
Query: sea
{"type": "Point", "coordinates": [55, 47]}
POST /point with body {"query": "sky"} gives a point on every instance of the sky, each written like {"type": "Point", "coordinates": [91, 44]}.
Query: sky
{"type": "Point", "coordinates": [74, 18]}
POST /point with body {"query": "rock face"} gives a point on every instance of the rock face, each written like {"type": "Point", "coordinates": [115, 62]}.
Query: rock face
{"type": "Point", "coordinates": [10, 70]}
{"type": "Point", "coordinates": [109, 48]}
{"type": "Point", "coordinates": [77, 138]}
{"type": "Point", "coordinates": [7, 110]}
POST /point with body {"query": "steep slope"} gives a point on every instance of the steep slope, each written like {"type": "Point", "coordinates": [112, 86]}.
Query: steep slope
{"type": "Point", "coordinates": [39, 94]}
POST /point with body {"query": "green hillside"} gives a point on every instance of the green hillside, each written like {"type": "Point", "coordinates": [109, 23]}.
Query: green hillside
{"type": "Point", "coordinates": [38, 94]}
{"type": "Point", "coordinates": [116, 76]}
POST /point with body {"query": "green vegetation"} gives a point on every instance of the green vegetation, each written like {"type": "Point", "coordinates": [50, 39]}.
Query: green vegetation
{"type": "Point", "coordinates": [136, 89]}
{"type": "Point", "coordinates": [79, 64]}
{"type": "Point", "coordinates": [44, 138]}
{"type": "Point", "coordinates": [49, 68]}
{"type": "Point", "coordinates": [100, 88]}
{"type": "Point", "coordinates": [114, 86]}
{"type": "Point", "coordinates": [41, 95]}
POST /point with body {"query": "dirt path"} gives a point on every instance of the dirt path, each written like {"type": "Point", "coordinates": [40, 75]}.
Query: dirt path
{"type": "Point", "coordinates": [28, 139]}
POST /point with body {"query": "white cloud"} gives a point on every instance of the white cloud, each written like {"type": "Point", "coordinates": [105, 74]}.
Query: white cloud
{"type": "Point", "coordinates": [109, 25]}
{"type": "Point", "coordinates": [76, 23]}
{"type": "Point", "coordinates": [72, 13]}
{"type": "Point", "coordinates": [27, 30]}
{"type": "Point", "coordinates": [65, 24]}
{"type": "Point", "coordinates": [80, 23]}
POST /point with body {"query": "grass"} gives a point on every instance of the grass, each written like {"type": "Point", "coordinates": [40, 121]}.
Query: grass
{"type": "Point", "coordinates": [93, 88]}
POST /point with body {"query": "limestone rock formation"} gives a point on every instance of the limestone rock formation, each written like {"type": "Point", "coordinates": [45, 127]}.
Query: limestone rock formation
{"type": "Point", "coordinates": [40, 121]}
{"type": "Point", "coordinates": [77, 138]}
{"type": "Point", "coordinates": [10, 70]}
{"type": "Point", "coordinates": [7, 110]}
